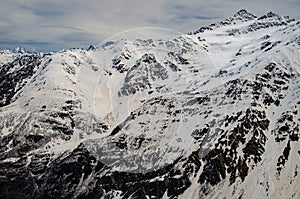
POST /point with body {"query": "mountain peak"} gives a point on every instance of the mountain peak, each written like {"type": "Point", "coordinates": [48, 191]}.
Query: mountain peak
{"type": "Point", "coordinates": [91, 47]}
{"type": "Point", "coordinates": [243, 11]}
{"type": "Point", "coordinates": [19, 50]}
{"type": "Point", "coordinates": [244, 14]}
{"type": "Point", "coordinates": [271, 14]}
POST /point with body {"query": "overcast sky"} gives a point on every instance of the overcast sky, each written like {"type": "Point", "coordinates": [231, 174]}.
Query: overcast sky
{"type": "Point", "coordinates": [57, 24]}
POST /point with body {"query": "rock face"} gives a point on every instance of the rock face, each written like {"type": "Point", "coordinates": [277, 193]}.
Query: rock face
{"type": "Point", "coordinates": [210, 114]}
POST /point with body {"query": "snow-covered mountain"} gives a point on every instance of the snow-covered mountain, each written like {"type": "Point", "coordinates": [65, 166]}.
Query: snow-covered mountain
{"type": "Point", "coordinates": [209, 114]}
{"type": "Point", "coordinates": [7, 56]}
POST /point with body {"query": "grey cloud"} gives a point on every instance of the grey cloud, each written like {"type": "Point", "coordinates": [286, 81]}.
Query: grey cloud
{"type": "Point", "coordinates": [63, 27]}
{"type": "Point", "coordinates": [51, 25]}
